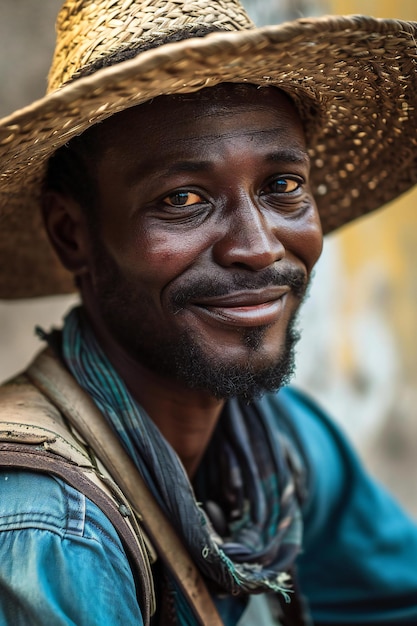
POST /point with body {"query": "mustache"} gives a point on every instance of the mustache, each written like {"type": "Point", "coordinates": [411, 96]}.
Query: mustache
{"type": "Point", "coordinates": [207, 287]}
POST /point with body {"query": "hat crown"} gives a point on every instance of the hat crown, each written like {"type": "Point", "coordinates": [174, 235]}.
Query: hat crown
{"type": "Point", "coordinates": [89, 30]}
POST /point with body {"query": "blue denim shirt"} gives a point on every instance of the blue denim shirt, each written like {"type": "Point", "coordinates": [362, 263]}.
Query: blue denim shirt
{"type": "Point", "coordinates": [62, 562]}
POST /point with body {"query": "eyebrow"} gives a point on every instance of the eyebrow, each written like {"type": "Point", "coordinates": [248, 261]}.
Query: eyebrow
{"type": "Point", "coordinates": [289, 155]}
{"type": "Point", "coordinates": [152, 170]}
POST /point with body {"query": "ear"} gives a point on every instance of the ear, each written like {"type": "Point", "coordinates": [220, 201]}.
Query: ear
{"type": "Point", "coordinates": [67, 229]}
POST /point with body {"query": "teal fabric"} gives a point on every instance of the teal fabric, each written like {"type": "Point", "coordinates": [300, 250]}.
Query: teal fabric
{"type": "Point", "coordinates": [62, 563]}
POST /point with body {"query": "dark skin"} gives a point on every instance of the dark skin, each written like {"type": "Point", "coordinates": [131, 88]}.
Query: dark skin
{"type": "Point", "coordinates": [188, 193]}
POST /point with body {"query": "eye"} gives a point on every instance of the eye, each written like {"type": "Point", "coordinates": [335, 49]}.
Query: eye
{"type": "Point", "coordinates": [283, 184]}
{"type": "Point", "coordinates": [182, 198]}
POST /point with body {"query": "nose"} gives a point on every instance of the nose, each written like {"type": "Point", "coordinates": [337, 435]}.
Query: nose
{"type": "Point", "coordinates": [250, 239]}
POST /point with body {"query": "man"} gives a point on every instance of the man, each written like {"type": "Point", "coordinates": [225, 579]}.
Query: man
{"type": "Point", "coordinates": [190, 218]}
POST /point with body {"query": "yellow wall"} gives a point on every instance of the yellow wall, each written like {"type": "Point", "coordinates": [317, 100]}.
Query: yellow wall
{"type": "Point", "coordinates": [402, 9]}
{"type": "Point", "coordinates": [387, 241]}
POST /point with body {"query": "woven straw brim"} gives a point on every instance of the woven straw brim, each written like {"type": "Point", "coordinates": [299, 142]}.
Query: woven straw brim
{"type": "Point", "coordinates": [353, 80]}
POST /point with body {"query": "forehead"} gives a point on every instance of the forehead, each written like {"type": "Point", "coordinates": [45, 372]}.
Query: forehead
{"type": "Point", "coordinates": [197, 114]}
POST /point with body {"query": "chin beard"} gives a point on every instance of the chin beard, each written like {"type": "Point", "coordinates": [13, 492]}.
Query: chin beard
{"type": "Point", "coordinates": [184, 360]}
{"type": "Point", "coordinates": [188, 363]}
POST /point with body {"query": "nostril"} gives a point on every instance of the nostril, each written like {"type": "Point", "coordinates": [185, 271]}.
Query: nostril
{"type": "Point", "coordinates": [254, 252]}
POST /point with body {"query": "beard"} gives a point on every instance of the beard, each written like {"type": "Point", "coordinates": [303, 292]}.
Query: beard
{"type": "Point", "coordinates": [192, 366]}
{"type": "Point", "coordinates": [128, 314]}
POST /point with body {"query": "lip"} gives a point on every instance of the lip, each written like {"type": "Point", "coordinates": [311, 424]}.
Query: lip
{"type": "Point", "coordinates": [245, 308]}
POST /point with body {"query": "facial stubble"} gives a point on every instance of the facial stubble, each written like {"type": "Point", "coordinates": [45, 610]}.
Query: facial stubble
{"type": "Point", "coordinates": [127, 314]}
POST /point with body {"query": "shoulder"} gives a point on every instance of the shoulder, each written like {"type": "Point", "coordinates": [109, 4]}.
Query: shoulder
{"type": "Point", "coordinates": [29, 499]}
{"type": "Point", "coordinates": [35, 436]}
{"type": "Point", "coordinates": [38, 500]}
{"type": "Point", "coordinates": [60, 541]}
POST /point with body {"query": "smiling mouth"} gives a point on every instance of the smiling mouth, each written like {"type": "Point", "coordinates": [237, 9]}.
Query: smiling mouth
{"type": "Point", "coordinates": [245, 308]}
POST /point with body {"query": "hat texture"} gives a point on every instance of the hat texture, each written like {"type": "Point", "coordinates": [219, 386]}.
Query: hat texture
{"type": "Point", "coordinates": [353, 80]}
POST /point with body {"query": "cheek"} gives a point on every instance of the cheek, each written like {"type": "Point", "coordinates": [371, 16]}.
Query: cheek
{"type": "Point", "coordinates": [313, 245]}
{"type": "Point", "coordinates": [161, 257]}
{"type": "Point", "coordinates": [305, 241]}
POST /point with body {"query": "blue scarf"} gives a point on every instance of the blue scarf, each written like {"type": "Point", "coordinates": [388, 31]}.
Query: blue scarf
{"type": "Point", "coordinates": [262, 536]}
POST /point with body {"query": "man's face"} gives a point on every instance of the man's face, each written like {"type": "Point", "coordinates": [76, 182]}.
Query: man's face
{"type": "Point", "coordinates": [207, 233]}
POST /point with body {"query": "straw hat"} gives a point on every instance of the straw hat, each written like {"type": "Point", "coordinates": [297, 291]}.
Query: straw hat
{"type": "Point", "coordinates": [353, 80]}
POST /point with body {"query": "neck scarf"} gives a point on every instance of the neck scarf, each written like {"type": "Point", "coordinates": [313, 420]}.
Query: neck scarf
{"type": "Point", "coordinates": [249, 472]}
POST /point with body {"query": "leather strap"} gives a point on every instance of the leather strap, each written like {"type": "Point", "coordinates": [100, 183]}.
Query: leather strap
{"type": "Point", "coordinates": [55, 382]}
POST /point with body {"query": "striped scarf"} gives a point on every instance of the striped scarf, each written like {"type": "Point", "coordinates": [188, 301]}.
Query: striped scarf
{"type": "Point", "coordinates": [248, 468]}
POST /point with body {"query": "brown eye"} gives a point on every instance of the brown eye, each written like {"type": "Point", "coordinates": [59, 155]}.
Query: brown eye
{"type": "Point", "coordinates": [283, 185]}
{"type": "Point", "coordinates": [182, 198]}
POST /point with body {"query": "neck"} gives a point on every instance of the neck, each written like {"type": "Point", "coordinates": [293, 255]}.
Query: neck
{"type": "Point", "coordinates": [185, 417]}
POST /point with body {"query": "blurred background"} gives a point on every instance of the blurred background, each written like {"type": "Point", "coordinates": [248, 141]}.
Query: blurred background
{"type": "Point", "coordinates": [358, 353]}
